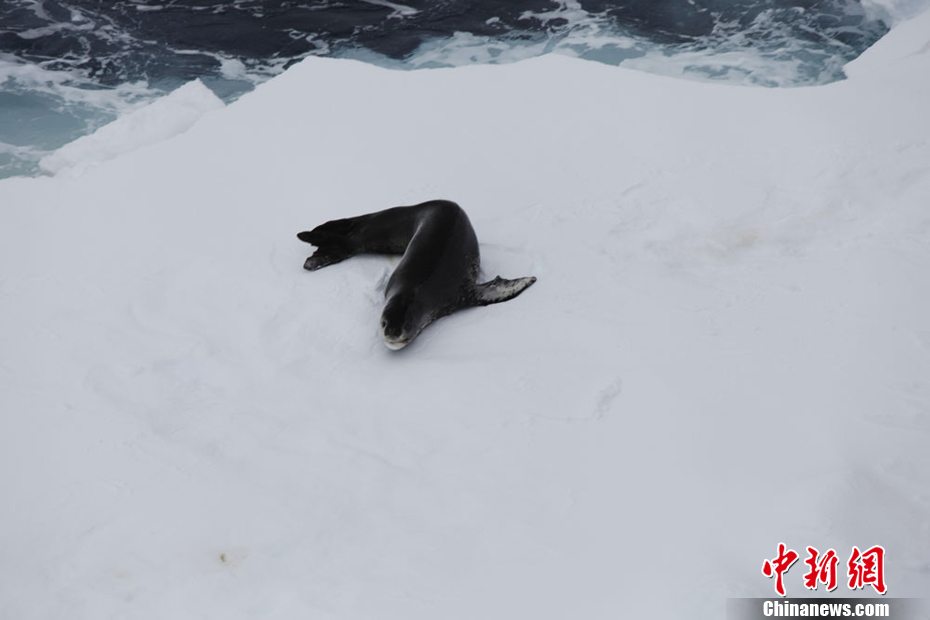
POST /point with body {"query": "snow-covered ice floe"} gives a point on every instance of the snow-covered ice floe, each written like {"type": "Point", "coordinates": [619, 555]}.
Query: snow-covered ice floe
{"type": "Point", "coordinates": [728, 347]}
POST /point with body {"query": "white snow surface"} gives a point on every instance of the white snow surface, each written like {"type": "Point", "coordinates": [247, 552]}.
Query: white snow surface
{"type": "Point", "coordinates": [728, 347]}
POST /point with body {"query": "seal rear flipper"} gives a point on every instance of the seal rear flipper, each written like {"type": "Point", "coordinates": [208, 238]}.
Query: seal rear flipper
{"type": "Point", "coordinates": [306, 236]}
{"type": "Point", "coordinates": [333, 243]}
{"type": "Point", "coordinates": [337, 231]}
{"type": "Point", "coordinates": [328, 255]}
{"type": "Point", "coordinates": [499, 289]}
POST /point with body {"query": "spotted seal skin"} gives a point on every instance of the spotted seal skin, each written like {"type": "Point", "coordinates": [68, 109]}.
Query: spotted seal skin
{"type": "Point", "coordinates": [437, 274]}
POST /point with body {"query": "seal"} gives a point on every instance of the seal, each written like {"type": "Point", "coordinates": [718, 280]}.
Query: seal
{"type": "Point", "coordinates": [437, 274]}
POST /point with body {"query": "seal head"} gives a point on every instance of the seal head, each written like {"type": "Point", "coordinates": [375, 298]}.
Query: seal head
{"type": "Point", "coordinates": [402, 320]}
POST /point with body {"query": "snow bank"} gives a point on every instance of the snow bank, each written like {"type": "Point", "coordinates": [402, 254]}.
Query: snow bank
{"type": "Point", "coordinates": [156, 122]}
{"type": "Point", "coordinates": [728, 347]}
{"type": "Point", "coordinates": [895, 12]}
{"type": "Point", "coordinates": [897, 55]}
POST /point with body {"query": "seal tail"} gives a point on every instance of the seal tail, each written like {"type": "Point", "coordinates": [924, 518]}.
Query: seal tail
{"type": "Point", "coordinates": [333, 242]}
{"type": "Point", "coordinates": [499, 289]}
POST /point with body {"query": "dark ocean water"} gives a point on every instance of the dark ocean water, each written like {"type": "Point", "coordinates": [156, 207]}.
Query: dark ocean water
{"type": "Point", "coordinates": [67, 67]}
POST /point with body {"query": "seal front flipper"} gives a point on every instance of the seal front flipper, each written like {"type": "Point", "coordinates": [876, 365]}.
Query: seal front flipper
{"type": "Point", "coordinates": [499, 289]}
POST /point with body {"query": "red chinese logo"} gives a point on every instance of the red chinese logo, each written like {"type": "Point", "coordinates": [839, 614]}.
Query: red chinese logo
{"type": "Point", "coordinates": [866, 568]}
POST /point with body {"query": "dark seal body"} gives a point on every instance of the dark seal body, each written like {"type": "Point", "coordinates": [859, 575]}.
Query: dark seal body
{"type": "Point", "coordinates": [437, 275]}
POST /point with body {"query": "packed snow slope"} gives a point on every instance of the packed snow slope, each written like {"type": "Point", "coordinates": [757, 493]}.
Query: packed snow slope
{"type": "Point", "coordinates": [728, 347]}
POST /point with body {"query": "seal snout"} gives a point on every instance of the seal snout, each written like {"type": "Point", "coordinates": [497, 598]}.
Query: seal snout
{"type": "Point", "coordinates": [395, 345]}
{"type": "Point", "coordinates": [394, 341]}
{"type": "Point", "coordinates": [393, 336]}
